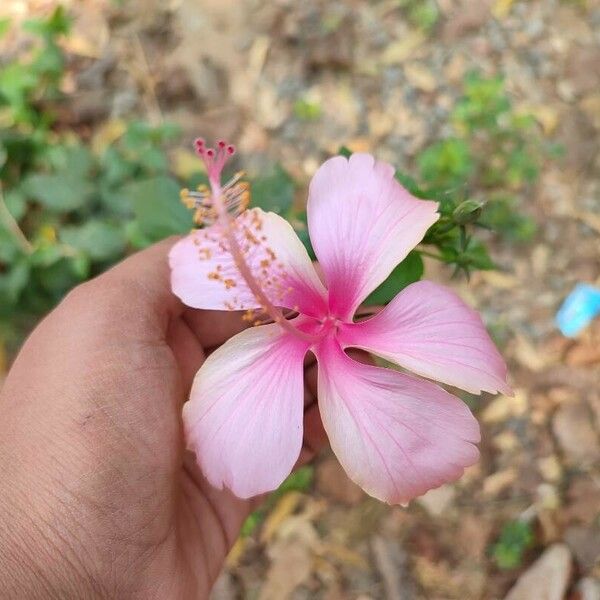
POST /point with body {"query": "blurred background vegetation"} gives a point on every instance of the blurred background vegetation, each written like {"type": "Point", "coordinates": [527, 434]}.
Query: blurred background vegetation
{"type": "Point", "coordinates": [490, 108]}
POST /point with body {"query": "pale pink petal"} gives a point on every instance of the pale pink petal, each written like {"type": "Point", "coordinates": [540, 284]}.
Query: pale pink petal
{"type": "Point", "coordinates": [204, 275]}
{"type": "Point", "coordinates": [244, 416]}
{"type": "Point", "coordinates": [396, 435]}
{"type": "Point", "coordinates": [362, 223]}
{"type": "Point", "coordinates": [429, 330]}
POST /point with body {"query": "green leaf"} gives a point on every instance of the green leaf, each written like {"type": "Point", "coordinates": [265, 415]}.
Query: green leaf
{"type": "Point", "coordinates": [8, 247]}
{"type": "Point", "coordinates": [16, 280]}
{"type": "Point", "coordinates": [58, 278]}
{"type": "Point", "coordinates": [411, 185]}
{"type": "Point", "coordinates": [344, 151]}
{"type": "Point", "coordinates": [157, 207]}
{"type": "Point", "coordinates": [299, 481]}
{"type": "Point", "coordinates": [446, 164]}
{"type": "Point", "coordinates": [253, 520]}
{"type": "Point", "coordinates": [15, 203]}
{"type": "Point", "coordinates": [135, 237]}
{"type": "Point", "coordinates": [476, 256]}
{"type": "Point", "coordinates": [100, 240]}
{"type": "Point", "coordinates": [16, 81]}
{"type": "Point", "coordinates": [58, 23]}
{"type": "Point", "coordinates": [407, 272]}
{"type": "Point", "coordinates": [62, 192]}
{"type": "Point", "coordinates": [4, 26]}
{"type": "Point", "coordinates": [116, 169]}
{"type": "Point", "coordinates": [74, 160]}
{"type": "Point", "coordinates": [307, 110]}
{"type": "Point", "coordinates": [154, 160]}
{"type": "Point", "coordinates": [516, 537]}
{"type": "Point", "coordinates": [274, 192]}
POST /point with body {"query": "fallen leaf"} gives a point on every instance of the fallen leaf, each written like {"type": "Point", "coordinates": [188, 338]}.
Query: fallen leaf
{"type": "Point", "coordinates": [501, 8]}
{"type": "Point", "coordinates": [502, 281]}
{"type": "Point", "coordinates": [397, 52]}
{"type": "Point", "coordinates": [547, 578]}
{"type": "Point", "coordinates": [504, 407]}
{"type": "Point", "coordinates": [420, 77]}
{"type": "Point", "coordinates": [572, 427]}
{"type": "Point", "coordinates": [438, 500]}
{"type": "Point", "coordinates": [550, 468]}
{"type": "Point", "coordinates": [290, 568]}
{"type": "Point", "coordinates": [528, 355]}
{"type": "Point", "coordinates": [497, 482]}
{"type": "Point", "coordinates": [391, 561]}
{"type": "Point", "coordinates": [283, 509]}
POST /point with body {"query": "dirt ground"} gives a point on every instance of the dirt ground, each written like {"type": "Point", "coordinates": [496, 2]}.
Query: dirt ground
{"type": "Point", "coordinates": [234, 69]}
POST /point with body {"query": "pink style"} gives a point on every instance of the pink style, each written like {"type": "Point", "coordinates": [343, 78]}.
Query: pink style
{"type": "Point", "coordinates": [395, 434]}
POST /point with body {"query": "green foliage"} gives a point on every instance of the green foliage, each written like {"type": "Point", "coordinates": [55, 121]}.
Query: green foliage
{"type": "Point", "coordinates": [307, 110]}
{"type": "Point", "coordinates": [407, 272]}
{"type": "Point", "coordinates": [423, 14]}
{"type": "Point", "coordinates": [274, 191]}
{"type": "Point", "coordinates": [515, 538]}
{"type": "Point", "coordinates": [446, 164]}
{"type": "Point", "coordinates": [69, 208]}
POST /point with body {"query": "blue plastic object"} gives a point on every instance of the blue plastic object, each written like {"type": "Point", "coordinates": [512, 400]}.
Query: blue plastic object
{"type": "Point", "coordinates": [578, 310]}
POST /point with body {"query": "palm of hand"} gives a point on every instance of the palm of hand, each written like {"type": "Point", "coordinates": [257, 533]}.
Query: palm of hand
{"type": "Point", "coordinates": [117, 494]}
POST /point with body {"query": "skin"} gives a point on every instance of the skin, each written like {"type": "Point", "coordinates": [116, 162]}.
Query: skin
{"type": "Point", "coordinates": [98, 496]}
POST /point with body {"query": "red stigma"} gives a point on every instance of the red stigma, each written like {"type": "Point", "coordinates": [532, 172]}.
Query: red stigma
{"type": "Point", "coordinates": [214, 159]}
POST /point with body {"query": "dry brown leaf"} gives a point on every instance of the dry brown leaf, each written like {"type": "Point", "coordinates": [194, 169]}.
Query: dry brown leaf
{"type": "Point", "coordinates": [502, 281]}
{"type": "Point", "coordinates": [283, 509]}
{"type": "Point", "coordinates": [528, 355]}
{"type": "Point", "coordinates": [550, 468]}
{"type": "Point", "coordinates": [343, 554]}
{"type": "Point", "coordinates": [420, 77]}
{"type": "Point", "coordinates": [290, 568]}
{"type": "Point", "coordinates": [497, 482]}
{"type": "Point", "coordinates": [397, 52]}
{"type": "Point", "coordinates": [504, 407]}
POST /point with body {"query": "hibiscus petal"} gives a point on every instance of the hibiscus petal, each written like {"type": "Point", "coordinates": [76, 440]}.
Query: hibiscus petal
{"type": "Point", "coordinates": [428, 329]}
{"type": "Point", "coordinates": [204, 275]}
{"type": "Point", "coordinates": [244, 416]}
{"type": "Point", "coordinates": [396, 435]}
{"type": "Point", "coordinates": [362, 224]}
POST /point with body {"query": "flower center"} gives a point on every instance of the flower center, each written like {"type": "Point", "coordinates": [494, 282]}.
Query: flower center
{"type": "Point", "coordinates": [221, 204]}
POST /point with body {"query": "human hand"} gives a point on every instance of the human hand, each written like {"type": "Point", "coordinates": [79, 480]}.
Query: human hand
{"type": "Point", "coordinates": [98, 497]}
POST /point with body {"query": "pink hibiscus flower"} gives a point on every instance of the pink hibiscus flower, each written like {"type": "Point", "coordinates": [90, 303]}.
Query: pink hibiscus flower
{"type": "Point", "coordinates": [395, 434]}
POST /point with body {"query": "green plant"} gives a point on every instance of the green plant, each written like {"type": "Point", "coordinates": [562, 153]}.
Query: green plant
{"type": "Point", "coordinates": [71, 207]}
{"type": "Point", "coordinates": [515, 539]}
{"type": "Point", "coordinates": [423, 14]}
